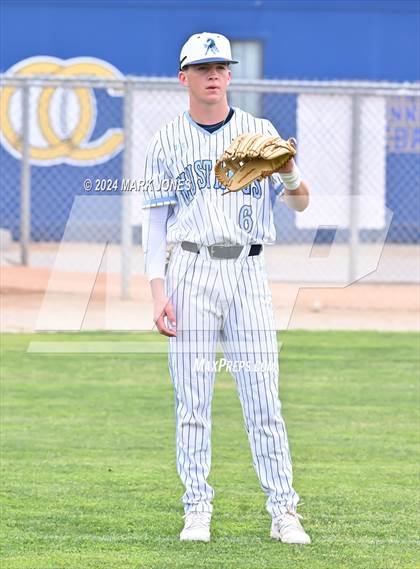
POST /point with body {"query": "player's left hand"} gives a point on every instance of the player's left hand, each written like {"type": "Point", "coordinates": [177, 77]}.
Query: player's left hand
{"type": "Point", "coordinates": [252, 157]}
{"type": "Point", "coordinates": [288, 167]}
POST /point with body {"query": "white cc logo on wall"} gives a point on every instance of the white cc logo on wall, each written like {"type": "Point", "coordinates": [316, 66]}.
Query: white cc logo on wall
{"type": "Point", "coordinates": [62, 119]}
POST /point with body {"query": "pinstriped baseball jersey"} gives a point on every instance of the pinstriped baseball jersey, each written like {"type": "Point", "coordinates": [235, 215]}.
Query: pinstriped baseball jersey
{"type": "Point", "coordinates": [179, 170]}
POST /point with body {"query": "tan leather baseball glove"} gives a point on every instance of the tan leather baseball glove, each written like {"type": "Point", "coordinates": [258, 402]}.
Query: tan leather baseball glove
{"type": "Point", "coordinates": [252, 157]}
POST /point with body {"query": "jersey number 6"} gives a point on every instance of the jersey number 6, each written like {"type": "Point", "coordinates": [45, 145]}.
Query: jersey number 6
{"type": "Point", "coordinates": [245, 218]}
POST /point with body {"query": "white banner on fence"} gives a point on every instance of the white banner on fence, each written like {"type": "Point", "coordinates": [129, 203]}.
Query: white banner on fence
{"type": "Point", "coordinates": [151, 111]}
{"type": "Point", "coordinates": [324, 133]}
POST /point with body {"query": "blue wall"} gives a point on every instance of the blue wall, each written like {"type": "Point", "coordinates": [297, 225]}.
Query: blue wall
{"type": "Point", "coordinates": [326, 39]}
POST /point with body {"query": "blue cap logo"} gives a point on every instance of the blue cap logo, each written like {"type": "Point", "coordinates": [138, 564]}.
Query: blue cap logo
{"type": "Point", "coordinates": [211, 46]}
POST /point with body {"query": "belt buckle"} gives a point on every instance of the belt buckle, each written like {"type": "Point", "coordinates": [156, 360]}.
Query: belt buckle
{"type": "Point", "coordinates": [211, 250]}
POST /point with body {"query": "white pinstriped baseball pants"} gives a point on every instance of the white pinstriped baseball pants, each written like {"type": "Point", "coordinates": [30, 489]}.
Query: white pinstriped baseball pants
{"type": "Point", "coordinates": [227, 300]}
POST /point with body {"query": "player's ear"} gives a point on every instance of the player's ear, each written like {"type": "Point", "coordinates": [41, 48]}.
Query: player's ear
{"type": "Point", "coordinates": [183, 78]}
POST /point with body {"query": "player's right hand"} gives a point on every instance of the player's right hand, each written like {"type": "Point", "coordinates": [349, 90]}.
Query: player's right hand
{"type": "Point", "coordinates": [164, 317]}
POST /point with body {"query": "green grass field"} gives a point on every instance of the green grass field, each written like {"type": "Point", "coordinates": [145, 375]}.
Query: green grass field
{"type": "Point", "coordinates": [88, 459]}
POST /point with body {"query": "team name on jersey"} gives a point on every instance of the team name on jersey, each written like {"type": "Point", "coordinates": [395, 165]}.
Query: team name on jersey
{"type": "Point", "coordinates": [198, 177]}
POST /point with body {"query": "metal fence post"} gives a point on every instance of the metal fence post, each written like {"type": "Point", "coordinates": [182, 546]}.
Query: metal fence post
{"type": "Point", "coordinates": [25, 187]}
{"type": "Point", "coordinates": [126, 229]}
{"type": "Point", "coordinates": [355, 188]}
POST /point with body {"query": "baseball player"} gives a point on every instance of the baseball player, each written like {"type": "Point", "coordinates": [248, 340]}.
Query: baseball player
{"type": "Point", "coordinates": [214, 287]}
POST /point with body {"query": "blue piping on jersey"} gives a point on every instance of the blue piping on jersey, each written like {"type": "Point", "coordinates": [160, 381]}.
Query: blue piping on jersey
{"type": "Point", "coordinates": [154, 202]}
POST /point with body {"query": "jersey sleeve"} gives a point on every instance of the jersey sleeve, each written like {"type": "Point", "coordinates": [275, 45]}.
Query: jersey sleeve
{"type": "Point", "coordinates": [159, 184]}
{"type": "Point", "coordinates": [154, 241]}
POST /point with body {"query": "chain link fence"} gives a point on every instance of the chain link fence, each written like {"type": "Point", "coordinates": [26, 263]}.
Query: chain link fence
{"type": "Point", "coordinates": [69, 147]}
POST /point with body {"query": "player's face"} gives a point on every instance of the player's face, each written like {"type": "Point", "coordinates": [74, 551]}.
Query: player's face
{"type": "Point", "coordinates": [207, 82]}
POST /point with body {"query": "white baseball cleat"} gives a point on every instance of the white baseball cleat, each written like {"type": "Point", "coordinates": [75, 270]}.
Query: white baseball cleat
{"type": "Point", "coordinates": [196, 527]}
{"type": "Point", "coordinates": [288, 529]}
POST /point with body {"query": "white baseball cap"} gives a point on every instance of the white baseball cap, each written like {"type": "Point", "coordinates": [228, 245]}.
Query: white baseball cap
{"type": "Point", "coordinates": [205, 48]}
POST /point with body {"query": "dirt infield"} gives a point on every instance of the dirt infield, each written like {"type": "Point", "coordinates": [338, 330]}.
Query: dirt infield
{"type": "Point", "coordinates": [38, 299]}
